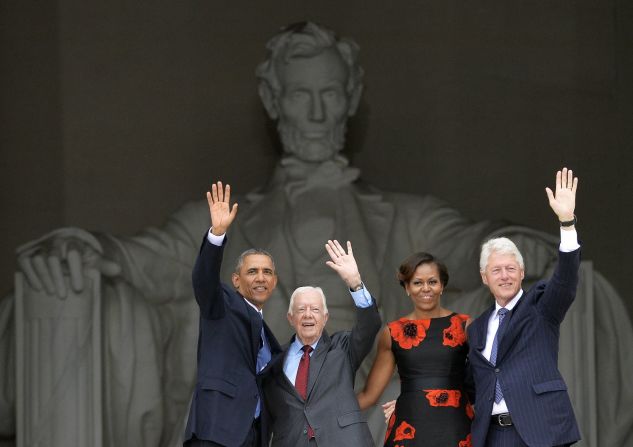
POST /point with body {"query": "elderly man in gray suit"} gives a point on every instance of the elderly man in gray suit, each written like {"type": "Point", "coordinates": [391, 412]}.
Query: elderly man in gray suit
{"type": "Point", "coordinates": [310, 388]}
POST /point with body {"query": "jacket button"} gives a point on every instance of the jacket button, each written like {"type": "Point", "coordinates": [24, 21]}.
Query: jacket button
{"type": "Point", "coordinates": [497, 370]}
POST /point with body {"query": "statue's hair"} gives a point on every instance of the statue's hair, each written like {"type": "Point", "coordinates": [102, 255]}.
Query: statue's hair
{"type": "Point", "coordinates": [251, 251]}
{"type": "Point", "coordinates": [305, 40]}
{"type": "Point", "coordinates": [501, 245]}
{"type": "Point", "coordinates": [299, 290]}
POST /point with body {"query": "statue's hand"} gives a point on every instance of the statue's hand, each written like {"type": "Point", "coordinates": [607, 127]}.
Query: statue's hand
{"type": "Point", "coordinates": [65, 252]}
{"type": "Point", "coordinates": [343, 263]}
{"type": "Point", "coordinates": [563, 199]}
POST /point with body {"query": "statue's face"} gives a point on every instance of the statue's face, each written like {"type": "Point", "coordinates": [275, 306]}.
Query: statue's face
{"type": "Point", "coordinates": [313, 106]}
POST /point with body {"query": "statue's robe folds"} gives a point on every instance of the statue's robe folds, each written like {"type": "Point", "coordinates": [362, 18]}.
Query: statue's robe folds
{"type": "Point", "coordinates": [150, 316]}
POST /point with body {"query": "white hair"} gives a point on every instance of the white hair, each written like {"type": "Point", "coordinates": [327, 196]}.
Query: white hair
{"type": "Point", "coordinates": [299, 290]}
{"type": "Point", "coordinates": [501, 245]}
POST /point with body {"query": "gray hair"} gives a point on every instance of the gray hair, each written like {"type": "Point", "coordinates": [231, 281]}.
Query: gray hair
{"type": "Point", "coordinates": [251, 251]}
{"type": "Point", "coordinates": [501, 245]}
{"type": "Point", "coordinates": [304, 40]}
{"type": "Point", "coordinates": [299, 290]}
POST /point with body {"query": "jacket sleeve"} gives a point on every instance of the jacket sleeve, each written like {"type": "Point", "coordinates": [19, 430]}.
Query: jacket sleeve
{"type": "Point", "coordinates": [206, 280]}
{"type": "Point", "coordinates": [362, 336]}
{"type": "Point", "coordinates": [559, 292]}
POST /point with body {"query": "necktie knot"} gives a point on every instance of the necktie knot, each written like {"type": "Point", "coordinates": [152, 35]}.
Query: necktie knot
{"type": "Point", "coordinates": [502, 313]}
{"type": "Point", "coordinates": [307, 349]}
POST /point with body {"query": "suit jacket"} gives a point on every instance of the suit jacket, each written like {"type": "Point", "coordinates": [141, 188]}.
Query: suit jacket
{"type": "Point", "coordinates": [226, 391]}
{"type": "Point", "coordinates": [527, 363]}
{"type": "Point", "coordinates": [331, 407]}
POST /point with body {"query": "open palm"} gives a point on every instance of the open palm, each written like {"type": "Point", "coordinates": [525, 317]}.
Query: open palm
{"type": "Point", "coordinates": [222, 214]}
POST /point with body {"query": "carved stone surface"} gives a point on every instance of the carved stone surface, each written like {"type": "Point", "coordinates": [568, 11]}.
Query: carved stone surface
{"type": "Point", "coordinates": [311, 84]}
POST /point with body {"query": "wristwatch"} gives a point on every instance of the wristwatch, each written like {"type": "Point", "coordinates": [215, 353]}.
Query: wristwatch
{"type": "Point", "coordinates": [569, 223]}
{"type": "Point", "coordinates": [357, 288]}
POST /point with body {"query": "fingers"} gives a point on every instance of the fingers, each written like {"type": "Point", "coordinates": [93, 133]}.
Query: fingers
{"type": "Point", "coordinates": [55, 268]}
{"type": "Point", "coordinates": [550, 194]}
{"type": "Point", "coordinates": [227, 193]}
{"type": "Point", "coordinates": [233, 212]}
{"type": "Point", "coordinates": [75, 269]}
{"type": "Point", "coordinates": [26, 267]}
{"type": "Point", "coordinates": [109, 268]}
{"type": "Point", "coordinates": [41, 269]}
{"type": "Point", "coordinates": [565, 180]}
{"type": "Point", "coordinates": [330, 251]}
{"type": "Point", "coordinates": [349, 249]}
{"type": "Point", "coordinates": [220, 192]}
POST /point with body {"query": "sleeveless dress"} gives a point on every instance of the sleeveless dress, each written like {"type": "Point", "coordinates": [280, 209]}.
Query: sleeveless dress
{"type": "Point", "coordinates": [432, 409]}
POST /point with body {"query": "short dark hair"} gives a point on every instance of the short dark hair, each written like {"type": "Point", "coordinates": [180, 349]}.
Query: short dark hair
{"type": "Point", "coordinates": [412, 262]}
{"type": "Point", "coordinates": [251, 251]}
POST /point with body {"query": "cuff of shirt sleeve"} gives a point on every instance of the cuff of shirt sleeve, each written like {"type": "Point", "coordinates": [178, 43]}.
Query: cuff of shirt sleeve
{"type": "Point", "coordinates": [215, 240]}
{"type": "Point", "coordinates": [362, 298]}
{"type": "Point", "coordinates": [568, 241]}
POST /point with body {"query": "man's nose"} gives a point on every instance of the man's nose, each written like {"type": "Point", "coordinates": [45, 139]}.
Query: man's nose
{"type": "Point", "coordinates": [317, 110]}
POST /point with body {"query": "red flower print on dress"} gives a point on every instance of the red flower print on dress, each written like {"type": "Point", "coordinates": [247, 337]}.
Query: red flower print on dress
{"type": "Point", "coordinates": [470, 412]}
{"type": "Point", "coordinates": [408, 333]}
{"type": "Point", "coordinates": [466, 442]}
{"type": "Point", "coordinates": [404, 431]}
{"type": "Point", "coordinates": [443, 398]}
{"type": "Point", "coordinates": [392, 419]}
{"type": "Point", "coordinates": [454, 335]}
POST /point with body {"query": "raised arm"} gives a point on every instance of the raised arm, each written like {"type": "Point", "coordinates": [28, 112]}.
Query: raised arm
{"type": "Point", "coordinates": [206, 272]}
{"type": "Point", "coordinates": [380, 374]}
{"type": "Point", "coordinates": [368, 322]}
{"type": "Point", "coordinates": [560, 290]}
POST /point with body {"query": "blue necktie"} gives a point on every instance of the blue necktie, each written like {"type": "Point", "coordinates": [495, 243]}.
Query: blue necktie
{"type": "Point", "coordinates": [495, 348]}
{"type": "Point", "coordinates": [263, 357]}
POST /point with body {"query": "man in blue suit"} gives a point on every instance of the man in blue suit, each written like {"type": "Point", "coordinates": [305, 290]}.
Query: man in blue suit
{"type": "Point", "coordinates": [520, 396]}
{"type": "Point", "coordinates": [234, 342]}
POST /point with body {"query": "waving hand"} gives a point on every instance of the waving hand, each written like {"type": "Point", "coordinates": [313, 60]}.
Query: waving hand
{"type": "Point", "coordinates": [222, 214]}
{"type": "Point", "coordinates": [563, 199]}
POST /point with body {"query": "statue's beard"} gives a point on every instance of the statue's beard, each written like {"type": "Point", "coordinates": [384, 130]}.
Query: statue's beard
{"type": "Point", "coordinates": [312, 149]}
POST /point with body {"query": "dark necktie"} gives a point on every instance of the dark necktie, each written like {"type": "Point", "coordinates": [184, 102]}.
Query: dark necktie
{"type": "Point", "coordinates": [495, 348]}
{"type": "Point", "coordinates": [263, 357]}
{"type": "Point", "coordinates": [301, 381]}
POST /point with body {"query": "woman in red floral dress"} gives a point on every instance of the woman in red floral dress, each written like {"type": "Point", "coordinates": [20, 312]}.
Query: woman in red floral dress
{"type": "Point", "coordinates": [429, 347]}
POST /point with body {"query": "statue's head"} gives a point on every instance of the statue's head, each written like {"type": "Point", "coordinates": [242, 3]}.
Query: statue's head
{"type": "Point", "coordinates": [311, 83]}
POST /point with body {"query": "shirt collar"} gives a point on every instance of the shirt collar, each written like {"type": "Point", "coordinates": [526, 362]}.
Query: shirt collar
{"type": "Point", "coordinates": [254, 307]}
{"type": "Point", "coordinates": [513, 302]}
{"type": "Point", "coordinates": [295, 347]}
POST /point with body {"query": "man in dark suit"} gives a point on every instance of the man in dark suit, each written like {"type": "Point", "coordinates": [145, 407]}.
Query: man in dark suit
{"type": "Point", "coordinates": [521, 397]}
{"type": "Point", "coordinates": [310, 389]}
{"type": "Point", "coordinates": [234, 342]}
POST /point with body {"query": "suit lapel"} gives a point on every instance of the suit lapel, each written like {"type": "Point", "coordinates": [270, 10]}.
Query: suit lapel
{"type": "Point", "coordinates": [280, 375]}
{"type": "Point", "coordinates": [480, 330]}
{"type": "Point", "coordinates": [256, 330]}
{"type": "Point", "coordinates": [317, 359]}
{"type": "Point", "coordinates": [513, 328]}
